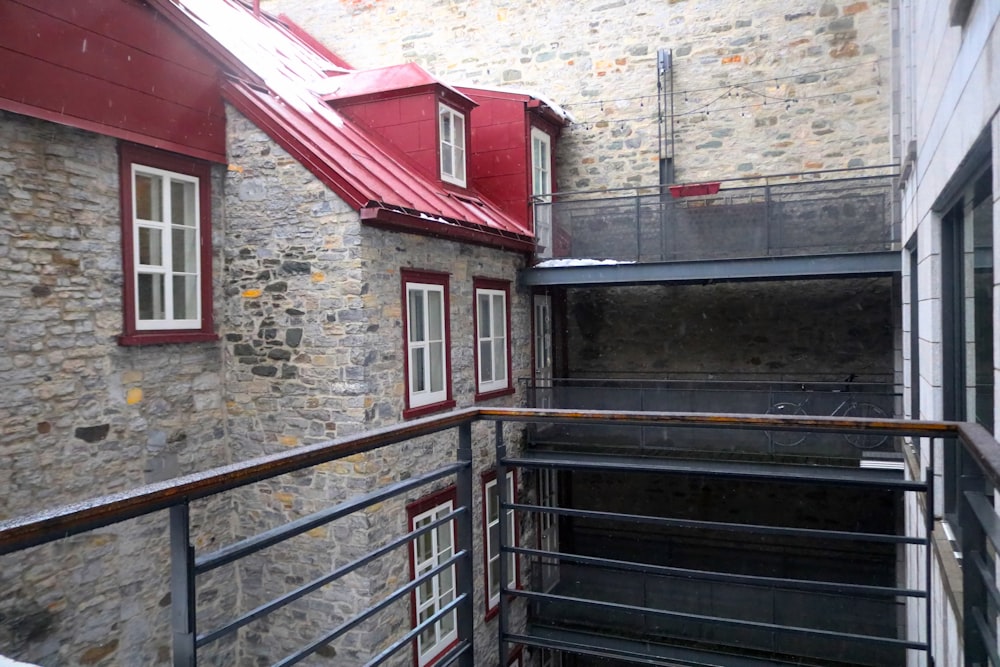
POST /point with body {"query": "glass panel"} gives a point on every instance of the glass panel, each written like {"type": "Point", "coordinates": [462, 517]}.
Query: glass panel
{"type": "Point", "coordinates": [418, 371]}
{"type": "Point", "coordinates": [444, 534]}
{"type": "Point", "coordinates": [459, 172]}
{"type": "Point", "coordinates": [485, 361]}
{"type": "Point", "coordinates": [437, 366]}
{"type": "Point", "coordinates": [415, 312]}
{"type": "Point", "coordinates": [492, 504]}
{"type": "Point", "coordinates": [150, 246]}
{"type": "Point", "coordinates": [150, 296]}
{"type": "Point", "coordinates": [494, 577]}
{"type": "Point", "coordinates": [425, 546]}
{"type": "Point", "coordinates": [484, 315]}
{"type": "Point", "coordinates": [148, 193]}
{"type": "Point", "coordinates": [446, 127]}
{"type": "Point", "coordinates": [447, 585]}
{"type": "Point", "coordinates": [435, 316]}
{"type": "Point", "coordinates": [448, 623]}
{"type": "Point", "coordinates": [495, 537]}
{"type": "Point", "coordinates": [499, 316]}
{"type": "Point", "coordinates": [182, 201]}
{"type": "Point", "coordinates": [185, 297]}
{"type": "Point", "coordinates": [499, 359]}
{"type": "Point", "coordinates": [458, 138]}
{"type": "Point", "coordinates": [185, 250]}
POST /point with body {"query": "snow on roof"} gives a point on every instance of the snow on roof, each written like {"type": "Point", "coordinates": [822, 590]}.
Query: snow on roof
{"type": "Point", "coordinates": [557, 263]}
{"type": "Point", "coordinates": [559, 111]}
{"type": "Point", "coordinates": [281, 97]}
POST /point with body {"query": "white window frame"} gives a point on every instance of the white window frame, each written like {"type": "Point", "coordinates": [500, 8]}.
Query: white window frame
{"type": "Point", "coordinates": [495, 338]}
{"type": "Point", "coordinates": [491, 533]}
{"type": "Point", "coordinates": [541, 189]}
{"type": "Point", "coordinates": [440, 590]}
{"type": "Point", "coordinates": [421, 344]}
{"type": "Point", "coordinates": [165, 228]}
{"type": "Point", "coordinates": [451, 133]}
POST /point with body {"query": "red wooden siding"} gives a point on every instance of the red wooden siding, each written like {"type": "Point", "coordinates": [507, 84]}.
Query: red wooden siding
{"type": "Point", "coordinates": [409, 123]}
{"type": "Point", "coordinates": [116, 68]}
{"type": "Point", "coordinates": [500, 153]}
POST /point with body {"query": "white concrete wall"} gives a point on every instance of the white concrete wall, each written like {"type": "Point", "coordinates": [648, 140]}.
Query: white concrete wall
{"type": "Point", "coordinates": [950, 92]}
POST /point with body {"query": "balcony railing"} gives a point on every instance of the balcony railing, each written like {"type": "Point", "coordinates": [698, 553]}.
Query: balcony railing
{"type": "Point", "coordinates": [817, 213]}
{"type": "Point", "coordinates": [675, 630]}
{"type": "Point", "coordinates": [848, 399]}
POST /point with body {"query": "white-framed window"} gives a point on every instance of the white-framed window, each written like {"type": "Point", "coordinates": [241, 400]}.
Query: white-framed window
{"type": "Point", "coordinates": [428, 551]}
{"type": "Point", "coordinates": [451, 130]}
{"type": "Point", "coordinates": [492, 350]}
{"type": "Point", "coordinates": [541, 189]}
{"type": "Point", "coordinates": [425, 298]}
{"type": "Point", "coordinates": [491, 538]}
{"type": "Point", "coordinates": [167, 240]}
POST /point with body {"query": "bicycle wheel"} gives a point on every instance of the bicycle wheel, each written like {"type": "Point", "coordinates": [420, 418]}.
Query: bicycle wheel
{"type": "Point", "coordinates": [786, 438]}
{"type": "Point", "coordinates": [866, 411]}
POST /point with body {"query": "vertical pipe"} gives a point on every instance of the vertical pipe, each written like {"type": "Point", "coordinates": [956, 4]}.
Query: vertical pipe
{"type": "Point", "coordinates": [182, 592]}
{"type": "Point", "coordinates": [464, 575]}
{"type": "Point", "coordinates": [503, 500]}
{"type": "Point", "coordinates": [928, 559]}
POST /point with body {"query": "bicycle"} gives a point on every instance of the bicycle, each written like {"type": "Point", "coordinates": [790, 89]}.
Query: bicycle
{"type": "Point", "coordinates": [849, 407]}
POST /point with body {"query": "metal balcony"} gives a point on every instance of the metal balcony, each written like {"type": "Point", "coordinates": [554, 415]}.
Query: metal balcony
{"type": "Point", "coordinates": [643, 610]}
{"type": "Point", "coordinates": [814, 224]}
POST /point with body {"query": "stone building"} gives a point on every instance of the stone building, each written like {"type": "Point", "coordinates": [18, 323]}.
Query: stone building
{"type": "Point", "coordinates": [219, 244]}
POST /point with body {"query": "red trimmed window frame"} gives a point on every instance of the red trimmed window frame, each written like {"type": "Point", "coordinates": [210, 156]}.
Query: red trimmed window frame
{"type": "Point", "coordinates": [462, 184]}
{"type": "Point", "coordinates": [413, 510]}
{"type": "Point", "coordinates": [485, 479]}
{"type": "Point", "coordinates": [133, 154]}
{"type": "Point", "coordinates": [497, 286]}
{"type": "Point", "coordinates": [417, 276]}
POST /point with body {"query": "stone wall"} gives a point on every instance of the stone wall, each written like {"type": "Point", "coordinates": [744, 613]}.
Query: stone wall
{"type": "Point", "coordinates": [83, 416]}
{"type": "Point", "coordinates": [759, 87]}
{"type": "Point", "coordinates": [314, 351]}
{"type": "Point", "coordinates": [801, 330]}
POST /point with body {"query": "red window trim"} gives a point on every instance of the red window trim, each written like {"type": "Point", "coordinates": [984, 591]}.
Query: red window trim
{"type": "Point", "coordinates": [129, 154]}
{"type": "Point", "coordinates": [430, 278]}
{"type": "Point", "coordinates": [420, 506]}
{"type": "Point", "coordinates": [485, 478]}
{"type": "Point", "coordinates": [479, 283]}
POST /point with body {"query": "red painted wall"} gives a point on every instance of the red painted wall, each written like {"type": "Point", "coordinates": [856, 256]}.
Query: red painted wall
{"type": "Point", "coordinates": [113, 67]}
{"type": "Point", "coordinates": [500, 154]}
{"type": "Point", "coordinates": [408, 122]}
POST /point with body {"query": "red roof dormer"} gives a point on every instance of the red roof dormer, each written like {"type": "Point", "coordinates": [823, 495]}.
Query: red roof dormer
{"type": "Point", "coordinates": [423, 118]}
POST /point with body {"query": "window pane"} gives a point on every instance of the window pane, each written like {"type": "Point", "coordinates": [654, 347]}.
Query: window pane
{"type": "Point", "coordinates": [185, 250]}
{"type": "Point", "coordinates": [447, 585]}
{"type": "Point", "coordinates": [492, 504]}
{"type": "Point", "coordinates": [182, 203]}
{"type": "Point", "coordinates": [437, 366]}
{"type": "Point", "coordinates": [150, 246]}
{"type": "Point", "coordinates": [495, 537]}
{"type": "Point", "coordinates": [458, 138]}
{"type": "Point", "coordinates": [415, 313]}
{"type": "Point", "coordinates": [185, 297]}
{"type": "Point", "coordinates": [446, 127]}
{"type": "Point", "coordinates": [150, 296]}
{"type": "Point", "coordinates": [435, 316]}
{"type": "Point", "coordinates": [444, 535]}
{"type": "Point", "coordinates": [485, 361]}
{"type": "Point", "coordinates": [484, 315]}
{"type": "Point", "coordinates": [418, 370]}
{"type": "Point", "coordinates": [494, 577]}
{"type": "Point", "coordinates": [148, 193]}
{"type": "Point", "coordinates": [448, 623]}
{"type": "Point", "coordinates": [499, 359]}
{"type": "Point", "coordinates": [459, 172]}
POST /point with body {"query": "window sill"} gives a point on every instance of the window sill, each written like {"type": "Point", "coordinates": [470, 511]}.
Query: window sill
{"type": "Point", "coordinates": [495, 393]}
{"type": "Point", "coordinates": [165, 337]}
{"type": "Point", "coordinates": [423, 410]}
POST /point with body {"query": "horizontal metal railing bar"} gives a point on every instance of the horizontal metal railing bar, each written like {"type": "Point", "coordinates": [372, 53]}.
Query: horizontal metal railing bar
{"type": "Point", "coordinates": [711, 658]}
{"type": "Point", "coordinates": [315, 584]}
{"type": "Point", "coordinates": [58, 523]}
{"type": "Point", "coordinates": [374, 609]}
{"type": "Point", "coordinates": [986, 636]}
{"type": "Point", "coordinates": [632, 188]}
{"type": "Point", "coordinates": [759, 625]}
{"type": "Point", "coordinates": [819, 424]}
{"type": "Point", "coordinates": [238, 550]}
{"type": "Point", "coordinates": [50, 525]}
{"type": "Point", "coordinates": [837, 386]}
{"type": "Point", "coordinates": [856, 476]}
{"type": "Point", "coordinates": [723, 577]}
{"type": "Point", "coordinates": [985, 574]}
{"type": "Point", "coordinates": [986, 516]}
{"type": "Point", "coordinates": [414, 632]}
{"type": "Point", "coordinates": [755, 528]}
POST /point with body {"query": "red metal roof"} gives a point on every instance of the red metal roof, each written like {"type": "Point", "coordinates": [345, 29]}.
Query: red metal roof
{"type": "Point", "coordinates": [279, 82]}
{"type": "Point", "coordinates": [383, 81]}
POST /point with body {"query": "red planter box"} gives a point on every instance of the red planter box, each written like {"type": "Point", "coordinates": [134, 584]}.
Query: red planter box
{"type": "Point", "coordinates": [694, 189]}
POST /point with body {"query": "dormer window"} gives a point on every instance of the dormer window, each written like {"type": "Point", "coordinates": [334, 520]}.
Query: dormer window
{"type": "Point", "coordinates": [451, 129]}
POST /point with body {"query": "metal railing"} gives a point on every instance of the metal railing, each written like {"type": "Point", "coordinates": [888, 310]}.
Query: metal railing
{"type": "Point", "coordinates": [980, 528]}
{"type": "Point", "coordinates": [802, 214]}
{"type": "Point", "coordinates": [854, 398]}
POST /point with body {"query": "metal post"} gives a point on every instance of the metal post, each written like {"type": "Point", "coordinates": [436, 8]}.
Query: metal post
{"type": "Point", "coordinates": [973, 541]}
{"type": "Point", "coordinates": [464, 575]}
{"type": "Point", "coordinates": [501, 450]}
{"type": "Point", "coordinates": [182, 593]}
{"type": "Point", "coordinates": [638, 227]}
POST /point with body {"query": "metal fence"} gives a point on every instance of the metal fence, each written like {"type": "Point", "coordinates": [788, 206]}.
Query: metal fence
{"type": "Point", "coordinates": [739, 627]}
{"type": "Point", "coordinates": [811, 217]}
